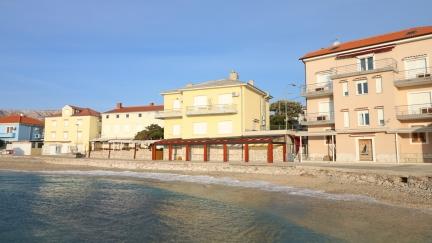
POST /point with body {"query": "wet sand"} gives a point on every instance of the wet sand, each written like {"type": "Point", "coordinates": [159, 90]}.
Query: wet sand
{"type": "Point", "coordinates": [418, 199]}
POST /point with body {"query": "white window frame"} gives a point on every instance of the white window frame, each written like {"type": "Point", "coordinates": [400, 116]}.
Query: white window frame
{"type": "Point", "coordinates": [378, 85]}
{"type": "Point", "coordinates": [196, 98]}
{"type": "Point", "coordinates": [54, 123]}
{"type": "Point", "coordinates": [345, 88]}
{"type": "Point", "coordinates": [79, 134]}
{"type": "Point", "coordinates": [66, 123]}
{"type": "Point", "coordinates": [361, 118]}
{"type": "Point", "coordinates": [196, 129]}
{"type": "Point", "coordinates": [53, 135]}
{"type": "Point", "coordinates": [381, 109]}
{"type": "Point", "coordinates": [359, 58]}
{"type": "Point", "coordinates": [346, 119]}
{"type": "Point", "coordinates": [362, 82]}
{"type": "Point", "coordinates": [176, 105]}
{"type": "Point", "coordinates": [224, 123]}
{"type": "Point", "coordinates": [65, 135]}
{"type": "Point", "coordinates": [426, 135]}
{"type": "Point", "coordinates": [221, 100]}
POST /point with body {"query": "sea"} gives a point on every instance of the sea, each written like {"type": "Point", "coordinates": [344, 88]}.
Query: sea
{"type": "Point", "coordinates": [124, 206]}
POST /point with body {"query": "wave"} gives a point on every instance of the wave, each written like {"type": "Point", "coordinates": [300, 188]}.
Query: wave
{"type": "Point", "coordinates": [224, 181]}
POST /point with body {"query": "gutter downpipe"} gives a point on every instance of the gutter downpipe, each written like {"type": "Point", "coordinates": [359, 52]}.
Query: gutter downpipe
{"type": "Point", "coordinates": [397, 148]}
{"type": "Point", "coordinates": [301, 150]}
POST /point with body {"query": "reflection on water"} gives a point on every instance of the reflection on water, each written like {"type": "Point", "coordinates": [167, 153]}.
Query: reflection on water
{"type": "Point", "coordinates": [65, 208]}
{"type": "Point", "coordinates": [69, 208]}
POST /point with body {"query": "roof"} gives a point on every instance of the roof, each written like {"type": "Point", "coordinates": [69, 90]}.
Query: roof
{"type": "Point", "coordinates": [21, 119]}
{"type": "Point", "coordinates": [80, 111]}
{"type": "Point", "coordinates": [370, 41]}
{"type": "Point", "coordinates": [216, 83]}
{"type": "Point", "coordinates": [146, 108]}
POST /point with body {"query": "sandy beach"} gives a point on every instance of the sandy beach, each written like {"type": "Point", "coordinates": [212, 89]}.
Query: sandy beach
{"type": "Point", "coordinates": [396, 196]}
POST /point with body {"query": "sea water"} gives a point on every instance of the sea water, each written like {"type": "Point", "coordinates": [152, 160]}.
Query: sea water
{"type": "Point", "coordinates": [105, 206]}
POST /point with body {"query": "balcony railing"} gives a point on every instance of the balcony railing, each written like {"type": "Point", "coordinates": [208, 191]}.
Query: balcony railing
{"type": "Point", "coordinates": [169, 113]}
{"type": "Point", "coordinates": [211, 109]}
{"type": "Point", "coordinates": [7, 134]}
{"type": "Point", "coordinates": [320, 118]}
{"type": "Point", "coordinates": [412, 77]}
{"type": "Point", "coordinates": [317, 89]}
{"type": "Point", "coordinates": [387, 64]}
{"type": "Point", "coordinates": [414, 112]}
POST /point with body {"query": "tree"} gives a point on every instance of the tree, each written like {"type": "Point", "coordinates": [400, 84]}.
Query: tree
{"type": "Point", "coordinates": [152, 132]}
{"type": "Point", "coordinates": [282, 109]}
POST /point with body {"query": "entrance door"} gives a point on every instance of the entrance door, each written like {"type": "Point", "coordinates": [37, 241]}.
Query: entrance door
{"type": "Point", "coordinates": [365, 150]}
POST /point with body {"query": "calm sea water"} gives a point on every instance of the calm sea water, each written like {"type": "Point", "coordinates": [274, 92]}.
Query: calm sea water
{"type": "Point", "coordinates": [151, 207]}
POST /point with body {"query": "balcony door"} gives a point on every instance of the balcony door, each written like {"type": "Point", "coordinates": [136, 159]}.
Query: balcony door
{"type": "Point", "coordinates": [419, 102]}
{"type": "Point", "coordinates": [325, 108]}
{"type": "Point", "coordinates": [415, 68]}
{"type": "Point", "coordinates": [200, 102]}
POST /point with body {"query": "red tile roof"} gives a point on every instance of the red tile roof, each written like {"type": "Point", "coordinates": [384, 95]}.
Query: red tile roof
{"type": "Point", "coordinates": [374, 40]}
{"type": "Point", "coordinates": [146, 108]}
{"type": "Point", "coordinates": [21, 119]}
{"type": "Point", "coordinates": [80, 111]}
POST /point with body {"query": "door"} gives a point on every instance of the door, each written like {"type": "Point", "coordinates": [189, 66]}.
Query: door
{"type": "Point", "coordinates": [365, 149]}
{"type": "Point", "coordinates": [415, 68]}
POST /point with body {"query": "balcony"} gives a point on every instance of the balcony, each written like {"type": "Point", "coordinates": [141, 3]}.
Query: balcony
{"type": "Point", "coordinates": [317, 90]}
{"type": "Point", "coordinates": [382, 65]}
{"type": "Point", "coordinates": [211, 109]}
{"type": "Point", "coordinates": [414, 112]}
{"type": "Point", "coordinates": [413, 77]}
{"type": "Point", "coordinates": [174, 113]}
{"type": "Point", "coordinates": [7, 134]}
{"type": "Point", "coordinates": [320, 118]}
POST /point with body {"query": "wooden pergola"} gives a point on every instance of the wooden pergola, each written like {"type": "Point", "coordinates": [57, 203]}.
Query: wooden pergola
{"type": "Point", "coordinates": [205, 142]}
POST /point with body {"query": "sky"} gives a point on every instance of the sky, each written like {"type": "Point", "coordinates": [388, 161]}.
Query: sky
{"type": "Point", "coordinates": [95, 53]}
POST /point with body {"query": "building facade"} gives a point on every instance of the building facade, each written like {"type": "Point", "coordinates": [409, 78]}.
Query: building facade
{"type": "Point", "coordinates": [375, 95]}
{"type": "Point", "coordinates": [71, 131]}
{"type": "Point", "coordinates": [219, 108]}
{"type": "Point", "coordinates": [124, 122]}
{"type": "Point", "coordinates": [16, 128]}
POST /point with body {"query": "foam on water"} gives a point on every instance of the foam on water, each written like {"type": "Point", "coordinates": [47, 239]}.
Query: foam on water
{"type": "Point", "coordinates": [224, 181]}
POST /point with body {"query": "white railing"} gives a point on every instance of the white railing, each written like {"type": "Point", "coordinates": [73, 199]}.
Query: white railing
{"type": "Point", "coordinates": [382, 64]}
{"type": "Point", "coordinates": [211, 109]}
{"type": "Point", "coordinates": [424, 72]}
{"type": "Point", "coordinates": [414, 111]}
{"type": "Point", "coordinates": [317, 88]}
{"type": "Point", "coordinates": [317, 118]}
{"type": "Point", "coordinates": [169, 113]}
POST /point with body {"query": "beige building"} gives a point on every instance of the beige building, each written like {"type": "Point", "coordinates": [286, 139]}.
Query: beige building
{"type": "Point", "coordinates": [124, 122]}
{"type": "Point", "coordinates": [71, 131]}
{"type": "Point", "coordinates": [372, 98]}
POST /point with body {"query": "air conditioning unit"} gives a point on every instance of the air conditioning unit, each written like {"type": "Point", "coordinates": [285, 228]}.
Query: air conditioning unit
{"type": "Point", "coordinates": [235, 94]}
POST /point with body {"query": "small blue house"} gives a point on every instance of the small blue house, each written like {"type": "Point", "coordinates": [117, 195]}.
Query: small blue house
{"type": "Point", "coordinates": [16, 128]}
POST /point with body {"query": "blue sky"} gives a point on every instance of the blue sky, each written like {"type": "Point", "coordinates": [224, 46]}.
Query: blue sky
{"type": "Point", "coordinates": [96, 53]}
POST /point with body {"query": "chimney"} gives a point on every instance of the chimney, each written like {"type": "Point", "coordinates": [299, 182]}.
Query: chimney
{"type": "Point", "coordinates": [119, 105]}
{"type": "Point", "coordinates": [233, 75]}
{"type": "Point", "coordinates": [251, 82]}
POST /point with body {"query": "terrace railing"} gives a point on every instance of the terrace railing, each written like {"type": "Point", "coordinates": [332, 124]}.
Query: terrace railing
{"type": "Point", "coordinates": [172, 113]}
{"type": "Point", "coordinates": [411, 77]}
{"type": "Point", "coordinates": [317, 89]}
{"type": "Point", "coordinates": [414, 112]}
{"type": "Point", "coordinates": [386, 64]}
{"type": "Point", "coordinates": [319, 118]}
{"type": "Point", "coordinates": [211, 109]}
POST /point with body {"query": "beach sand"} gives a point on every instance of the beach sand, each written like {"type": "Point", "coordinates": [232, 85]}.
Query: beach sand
{"type": "Point", "coordinates": [408, 198]}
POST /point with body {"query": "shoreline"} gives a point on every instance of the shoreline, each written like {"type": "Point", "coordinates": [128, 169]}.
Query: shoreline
{"type": "Point", "coordinates": [329, 180]}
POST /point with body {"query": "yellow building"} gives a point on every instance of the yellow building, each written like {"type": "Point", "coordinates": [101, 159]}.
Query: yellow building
{"type": "Point", "coordinates": [373, 97]}
{"type": "Point", "coordinates": [124, 122]}
{"type": "Point", "coordinates": [218, 108]}
{"type": "Point", "coordinates": [71, 131]}
{"type": "Point", "coordinates": [213, 120]}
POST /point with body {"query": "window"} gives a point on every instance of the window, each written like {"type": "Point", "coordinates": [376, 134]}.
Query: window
{"type": "Point", "coordinates": [366, 63]}
{"type": "Point", "coordinates": [378, 85]}
{"type": "Point", "coordinates": [65, 135]}
{"type": "Point", "coordinates": [139, 115]}
{"type": "Point", "coordinates": [416, 67]}
{"type": "Point", "coordinates": [418, 137]}
{"type": "Point", "coordinates": [40, 145]}
{"type": "Point", "coordinates": [346, 118]}
{"type": "Point", "coordinates": [54, 123]}
{"type": "Point", "coordinates": [323, 78]}
{"type": "Point", "coordinates": [176, 105]}
{"type": "Point", "coordinates": [200, 128]}
{"type": "Point", "coordinates": [419, 102]}
{"type": "Point", "coordinates": [126, 128]}
{"type": "Point", "coordinates": [345, 88]}
{"type": "Point", "coordinates": [329, 138]}
{"type": "Point", "coordinates": [380, 115]}
{"type": "Point", "coordinates": [79, 134]}
{"type": "Point", "coordinates": [225, 127]}
{"type": "Point", "coordinates": [127, 115]}
{"type": "Point", "coordinates": [362, 87]}
{"type": "Point", "coordinates": [66, 123]}
{"type": "Point", "coordinates": [176, 130]}
{"type": "Point", "coordinates": [225, 99]}
{"type": "Point", "coordinates": [53, 135]}
{"type": "Point", "coordinates": [107, 116]}
{"type": "Point", "coordinates": [79, 122]}
{"type": "Point", "coordinates": [10, 129]}
{"type": "Point", "coordinates": [117, 116]}
{"type": "Point", "coordinates": [363, 118]}
{"type": "Point", "coordinates": [200, 100]}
